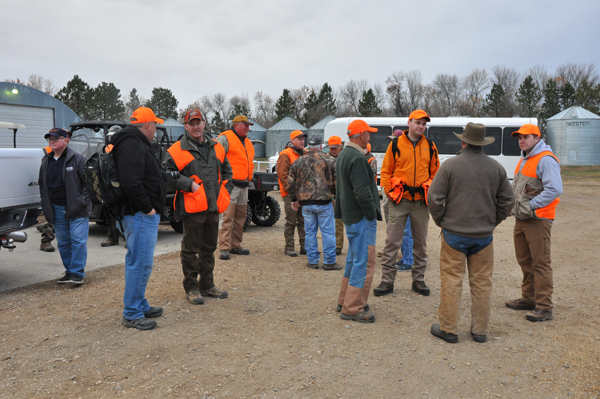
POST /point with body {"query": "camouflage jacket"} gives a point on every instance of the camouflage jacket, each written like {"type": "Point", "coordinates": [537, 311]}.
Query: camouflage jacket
{"type": "Point", "coordinates": [312, 179]}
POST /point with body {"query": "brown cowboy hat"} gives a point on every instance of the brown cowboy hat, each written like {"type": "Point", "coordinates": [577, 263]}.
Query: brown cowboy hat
{"type": "Point", "coordinates": [474, 134]}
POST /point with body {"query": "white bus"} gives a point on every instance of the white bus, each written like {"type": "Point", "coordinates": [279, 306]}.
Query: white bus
{"type": "Point", "coordinates": [505, 149]}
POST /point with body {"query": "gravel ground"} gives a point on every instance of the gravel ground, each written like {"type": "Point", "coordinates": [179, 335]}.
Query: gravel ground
{"type": "Point", "coordinates": [279, 336]}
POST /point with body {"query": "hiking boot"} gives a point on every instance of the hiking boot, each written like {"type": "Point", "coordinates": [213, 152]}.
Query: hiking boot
{"type": "Point", "coordinates": [539, 315]}
{"type": "Point", "coordinates": [313, 265]}
{"type": "Point", "coordinates": [215, 293]}
{"type": "Point", "coordinates": [302, 251]}
{"type": "Point", "coordinates": [519, 304]}
{"type": "Point", "coordinates": [403, 267]}
{"type": "Point", "coordinates": [239, 251]}
{"type": "Point", "coordinates": [362, 317]}
{"type": "Point", "coordinates": [339, 308]}
{"type": "Point", "coordinates": [479, 338]}
{"type": "Point", "coordinates": [140, 324]}
{"type": "Point", "coordinates": [155, 311]}
{"type": "Point", "coordinates": [384, 289]}
{"type": "Point", "coordinates": [338, 251]}
{"type": "Point", "coordinates": [47, 247]}
{"type": "Point", "coordinates": [108, 243]}
{"type": "Point", "coordinates": [420, 288]}
{"type": "Point", "coordinates": [436, 331]}
{"type": "Point", "coordinates": [224, 255]}
{"type": "Point", "coordinates": [332, 266]}
{"type": "Point", "coordinates": [65, 279]}
{"type": "Point", "coordinates": [291, 252]}
{"type": "Point", "coordinates": [195, 298]}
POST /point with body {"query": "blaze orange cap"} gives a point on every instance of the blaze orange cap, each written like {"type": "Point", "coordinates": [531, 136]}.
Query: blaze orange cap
{"type": "Point", "coordinates": [528, 129]}
{"type": "Point", "coordinates": [143, 115]}
{"type": "Point", "coordinates": [369, 147]}
{"type": "Point", "coordinates": [334, 141]}
{"type": "Point", "coordinates": [358, 126]}
{"type": "Point", "coordinates": [419, 114]}
{"type": "Point", "coordinates": [295, 134]}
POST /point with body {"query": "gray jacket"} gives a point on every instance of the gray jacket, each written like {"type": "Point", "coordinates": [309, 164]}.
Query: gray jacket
{"type": "Point", "coordinates": [470, 195]}
{"type": "Point", "coordinates": [78, 201]}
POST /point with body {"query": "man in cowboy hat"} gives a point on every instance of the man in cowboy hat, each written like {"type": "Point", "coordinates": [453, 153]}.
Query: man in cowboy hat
{"type": "Point", "coordinates": [469, 196]}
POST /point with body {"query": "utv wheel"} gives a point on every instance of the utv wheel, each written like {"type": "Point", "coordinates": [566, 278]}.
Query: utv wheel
{"type": "Point", "coordinates": [271, 214]}
{"type": "Point", "coordinates": [177, 225]}
{"type": "Point", "coordinates": [248, 217]}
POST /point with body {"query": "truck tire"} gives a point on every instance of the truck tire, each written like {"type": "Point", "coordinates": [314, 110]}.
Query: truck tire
{"type": "Point", "coordinates": [177, 225]}
{"type": "Point", "coordinates": [272, 213]}
{"type": "Point", "coordinates": [248, 217]}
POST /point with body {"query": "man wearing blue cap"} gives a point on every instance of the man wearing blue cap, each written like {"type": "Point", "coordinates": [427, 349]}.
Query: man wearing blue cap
{"type": "Point", "coordinates": [66, 203]}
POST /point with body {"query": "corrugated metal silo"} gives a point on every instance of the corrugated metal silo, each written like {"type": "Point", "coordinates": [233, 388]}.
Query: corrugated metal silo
{"type": "Point", "coordinates": [319, 127]}
{"type": "Point", "coordinates": [574, 135]}
{"type": "Point", "coordinates": [279, 134]}
{"type": "Point", "coordinates": [257, 132]}
{"type": "Point", "coordinates": [174, 128]}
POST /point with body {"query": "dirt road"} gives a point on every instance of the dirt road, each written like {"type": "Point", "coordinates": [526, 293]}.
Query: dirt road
{"type": "Point", "coordinates": [278, 335]}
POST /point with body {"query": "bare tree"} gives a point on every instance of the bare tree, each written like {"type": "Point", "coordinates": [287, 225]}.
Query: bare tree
{"type": "Point", "coordinates": [379, 93]}
{"type": "Point", "coordinates": [299, 96]}
{"type": "Point", "coordinates": [414, 90]}
{"type": "Point", "coordinates": [448, 90]}
{"type": "Point", "coordinates": [540, 77]}
{"type": "Point", "coordinates": [510, 80]}
{"type": "Point", "coordinates": [577, 73]}
{"type": "Point", "coordinates": [474, 85]}
{"type": "Point", "coordinates": [264, 109]}
{"type": "Point", "coordinates": [395, 92]}
{"type": "Point", "coordinates": [42, 84]}
{"type": "Point", "coordinates": [351, 93]}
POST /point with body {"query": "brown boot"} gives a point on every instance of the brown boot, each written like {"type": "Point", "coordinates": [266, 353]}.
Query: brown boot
{"type": "Point", "coordinates": [109, 243]}
{"type": "Point", "coordinates": [519, 304]}
{"type": "Point", "coordinates": [362, 317]}
{"type": "Point", "coordinates": [539, 315]}
{"type": "Point", "coordinates": [47, 247]}
{"type": "Point", "coordinates": [384, 289]}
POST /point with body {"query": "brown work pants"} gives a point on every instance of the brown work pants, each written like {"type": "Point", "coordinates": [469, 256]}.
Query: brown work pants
{"type": "Point", "coordinates": [234, 217]}
{"type": "Point", "coordinates": [419, 221]}
{"type": "Point", "coordinates": [353, 299]}
{"type": "Point", "coordinates": [339, 234]}
{"type": "Point", "coordinates": [198, 250]}
{"type": "Point", "coordinates": [452, 270]}
{"type": "Point", "coordinates": [293, 220]}
{"type": "Point", "coordinates": [532, 249]}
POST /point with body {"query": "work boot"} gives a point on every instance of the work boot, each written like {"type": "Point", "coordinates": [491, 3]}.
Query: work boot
{"type": "Point", "coordinates": [47, 247]}
{"type": "Point", "coordinates": [338, 251]}
{"type": "Point", "coordinates": [140, 324]}
{"type": "Point", "coordinates": [479, 338]}
{"type": "Point", "coordinates": [239, 251]}
{"type": "Point", "coordinates": [108, 243]}
{"type": "Point", "coordinates": [436, 331]}
{"type": "Point", "coordinates": [302, 251]}
{"type": "Point", "coordinates": [224, 255]}
{"type": "Point", "coordinates": [339, 308]}
{"type": "Point", "coordinates": [332, 266]}
{"type": "Point", "coordinates": [539, 315]}
{"type": "Point", "coordinates": [420, 288]}
{"type": "Point", "coordinates": [154, 311]}
{"type": "Point", "coordinates": [215, 293]}
{"type": "Point", "coordinates": [313, 265]}
{"type": "Point", "coordinates": [362, 317]}
{"type": "Point", "coordinates": [384, 289]}
{"type": "Point", "coordinates": [194, 298]}
{"type": "Point", "coordinates": [291, 252]}
{"type": "Point", "coordinates": [519, 304]}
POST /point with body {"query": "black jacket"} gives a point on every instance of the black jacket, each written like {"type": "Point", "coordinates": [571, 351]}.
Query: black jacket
{"type": "Point", "coordinates": [139, 172]}
{"type": "Point", "coordinates": [78, 201]}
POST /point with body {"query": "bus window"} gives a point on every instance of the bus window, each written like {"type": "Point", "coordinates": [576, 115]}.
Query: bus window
{"type": "Point", "coordinates": [510, 144]}
{"type": "Point", "coordinates": [379, 140]}
{"type": "Point", "coordinates": [444, 139]}
{"type": "Point", "coordinates": [494, 148]}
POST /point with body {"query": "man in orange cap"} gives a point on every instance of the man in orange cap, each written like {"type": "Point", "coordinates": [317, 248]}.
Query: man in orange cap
{"type": "Point", "coordinates": [357, 204]}
{"type": "Point", "coordinates": [293, 219]}
{"type": "Point", "coordinates": [240, 153]}
{"type": "Point", "coordinates": [145, 194]}
{"type": "Point", "coordinates": [335, 146]}
{"type": "Point", "coordinates": [537, 185]}
{"type": "Point", "coordinates": [410, 163]}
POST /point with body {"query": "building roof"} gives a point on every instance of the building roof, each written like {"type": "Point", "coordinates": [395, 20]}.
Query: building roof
{"type": "Point", "coordinates": [170, 122]}
{"type": "Point", "coordinates": [287, 123]}
{"type": "Point", "coordinates": [574, 112]}
{"type": "Point", "coordinates": [322, 123]}
{"type": "Point", "coordinates": [256, 127]}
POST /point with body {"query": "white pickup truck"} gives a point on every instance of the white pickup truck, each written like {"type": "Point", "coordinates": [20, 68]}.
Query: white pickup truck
{"type": "Point", "coordinates": [19, 192]}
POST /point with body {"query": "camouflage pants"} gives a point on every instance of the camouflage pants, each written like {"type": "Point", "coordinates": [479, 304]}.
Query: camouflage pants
{"type": "Point", "coordinates": [47, 231]}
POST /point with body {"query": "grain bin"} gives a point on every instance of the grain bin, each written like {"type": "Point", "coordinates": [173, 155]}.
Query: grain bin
{"type": "Point", "coordinates": [279, 134]}
{"type": "Point", "coordinates": [257, 132]}
{"type": "Point", "coordinates": [574, 135]}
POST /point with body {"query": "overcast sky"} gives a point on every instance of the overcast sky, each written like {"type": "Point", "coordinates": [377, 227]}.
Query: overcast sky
{"type": "Point", "coordinates": [202, 47]}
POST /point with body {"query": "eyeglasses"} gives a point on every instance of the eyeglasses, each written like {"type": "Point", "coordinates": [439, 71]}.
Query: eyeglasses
{"type": "Point", "coordinates": [54, 139]}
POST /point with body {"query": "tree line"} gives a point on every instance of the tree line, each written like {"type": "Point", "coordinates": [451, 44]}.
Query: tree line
{"type": "Point", "coordinates": [502, 92]}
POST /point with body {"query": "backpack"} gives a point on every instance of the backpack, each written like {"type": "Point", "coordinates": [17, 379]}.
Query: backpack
{"type": "Point", "coordinates": [102, 178]}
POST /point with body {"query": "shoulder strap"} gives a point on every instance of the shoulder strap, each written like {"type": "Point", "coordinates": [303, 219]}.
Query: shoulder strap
{"type": "Point", "coordinates": [395, 149]}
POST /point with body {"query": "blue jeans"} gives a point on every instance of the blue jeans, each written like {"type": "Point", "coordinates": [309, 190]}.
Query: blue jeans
{"type": "Point", "coordinates": [71, 236]}
{"type": "Point", "coordinates": [141, 232]}
{"type": "Point", "coordinates": [360, 236]}
{"type": "Point", "coordinates": [407, 244]}
{"type": "Point", "coordinates": [466, 245]}
{"type": "Point", "coordinates": [315, 217]}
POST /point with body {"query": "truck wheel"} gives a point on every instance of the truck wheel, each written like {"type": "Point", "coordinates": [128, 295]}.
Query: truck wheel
{"type": "Point", "coordinates": [271, 215]}
{"type": "Point", "coordinates": [177, 225]}
{"type": "Point", "coordinates": [248, 217]}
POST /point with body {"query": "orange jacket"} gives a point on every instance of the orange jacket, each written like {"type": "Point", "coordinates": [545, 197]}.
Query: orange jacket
{"type": "Point", "coordinates": [240, 156]}
{"type": "Point", "coordinates": [530, 170]}
{"type": "Point", "coordinates": [414, 165]}
{"type": "Point", "coordinates": [47, 150]}
{"type": "Point", "coordinates": [285, 161]}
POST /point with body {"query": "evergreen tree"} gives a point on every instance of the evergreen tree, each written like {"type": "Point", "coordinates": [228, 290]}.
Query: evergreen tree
{"type": "Point", "coordinates": [493, 105]}
{"type": "Point", "coordinates": [367, 106]}
{"type": "Point", "coordinates": [163, 103]}
{"type": "Point", "coordinates": [567, 95]}
{"type": "Point", "coordinates": [107, 104]}
{"type": "Point", "coordinates": [528, 97]}
{"type": "Point", "coordinates": [78, 96]}
{"type": "Point", "coordinates": [131, 105]}
{"type": "Point", "coordinates": [218, 124]}
{"type": "Point", "coordinates": [588, 96]}
{"type": "Point", "coordinates": [239, 109]}
{"type": "Point", "coordinates": [314, 109]}
{"type": "Point", "coordinates": [551, 104]}
{"type": "Point", "coordinates": [285, 105]}
{"type": "Point", "coordinates": [327, 100]}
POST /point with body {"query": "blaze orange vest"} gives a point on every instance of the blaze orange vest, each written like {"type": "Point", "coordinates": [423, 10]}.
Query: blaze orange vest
{"type": "Point", "coordinates": [369, 161]}
{"type": "Point", "coordinates": [197, 202]}
{"type": "Point", "coordinates": [240, 156]}
{"type": "Point", "coordinates": [292, 155]}
{"type": "Point", "coordinates": [108, 148]}
{"type": "Point", "coordinates": [47, 150]}
{"type": "Point", "coordinates": [530, 170]}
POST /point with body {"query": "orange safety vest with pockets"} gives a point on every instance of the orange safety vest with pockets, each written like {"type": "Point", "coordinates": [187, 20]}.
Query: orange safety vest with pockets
{"type": "Point", "coordinates": [240, 156]}
{"type": "Point", "coordinates": [530, 170]}
{"type": "Point", "coordinates": [292, 155]}
{"type": "Point", "coordinates": [197, 202]}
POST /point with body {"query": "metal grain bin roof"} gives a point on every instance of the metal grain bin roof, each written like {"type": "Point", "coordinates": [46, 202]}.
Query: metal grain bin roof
{"type": "Point", "coordinates": [256, 127]}
{"type": "Point", "coordinates": [320, 125]}
{"type": "Point", "coordinates": [287, 123]}
{"type": "Point", "coordinates": [574, 112]}
{"type": "Point", "coordinates": [279, 134]}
